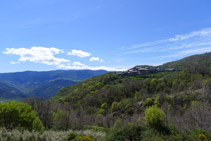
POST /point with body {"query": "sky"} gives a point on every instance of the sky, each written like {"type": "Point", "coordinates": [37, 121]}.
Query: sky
{"type": "Point", "coordinates": [42, 35]}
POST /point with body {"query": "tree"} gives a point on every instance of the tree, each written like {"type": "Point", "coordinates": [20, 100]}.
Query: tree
{"type": "Point", "coordinates": [63, 117]}
{"type": "Point", "coordinates": [15, 114]}
{"type": "Point", "coordinates": [154, 117]}
{"type": "Point", "coordinates": [44, 109]}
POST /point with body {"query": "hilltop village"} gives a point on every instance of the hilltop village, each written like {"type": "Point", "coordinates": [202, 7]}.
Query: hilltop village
{"type": "Point", "coordinates": [145, 70]}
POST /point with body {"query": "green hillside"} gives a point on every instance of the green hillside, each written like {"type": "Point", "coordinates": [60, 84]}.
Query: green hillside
{"type": "Point", "coordinates": [116, 96]}
{"type": "Point", "coordinates": [111, 87]}
{"type": "Point", "coordinates": [196, 63]}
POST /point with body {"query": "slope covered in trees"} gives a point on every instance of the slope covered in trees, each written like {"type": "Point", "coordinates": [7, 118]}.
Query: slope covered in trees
{"type": "Point", "coordinates": [111, 97]}
{"type": "Point", "coordinates": [195, 64]}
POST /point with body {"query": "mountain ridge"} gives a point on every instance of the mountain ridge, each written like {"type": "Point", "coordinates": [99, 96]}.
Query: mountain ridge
{"type": "Point", "coordinates": [30, 83]}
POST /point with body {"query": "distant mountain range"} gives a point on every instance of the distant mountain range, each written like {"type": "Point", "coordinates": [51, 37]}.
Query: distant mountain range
{"type": "Point", "coordinates": [42, 84]}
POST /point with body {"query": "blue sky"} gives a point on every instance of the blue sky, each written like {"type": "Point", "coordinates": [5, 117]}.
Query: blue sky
{"type": "Point", "coordinates": [46, 35]}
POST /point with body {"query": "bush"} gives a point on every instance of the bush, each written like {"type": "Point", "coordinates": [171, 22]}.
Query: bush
{"type": "Point", "coordinates": [128, 132]}
{"type": "Point", "coordinates": [154, 117]}
{"type": "Point", "coordinates": [83, 138]}
{"type": "Point", "coordinates": [148, 102]}
{"type": "Point", "coordinates": [72, 136]}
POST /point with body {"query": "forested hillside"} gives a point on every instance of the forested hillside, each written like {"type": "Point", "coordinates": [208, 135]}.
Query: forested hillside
{"type": "Point", "coordinates": [112, 99]}
{"type": "Point", "coordinates": [195, 64]}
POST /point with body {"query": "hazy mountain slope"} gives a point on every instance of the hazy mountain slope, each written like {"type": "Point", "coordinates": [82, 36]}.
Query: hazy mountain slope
{"type": "Point", "coordinates": [9, 91]}
{"type": "Point", "coordinates": [29, 78]}
{"type": "Point", "coordinates": [50, 88]}
{"type": "Point", "coordinates": [42, 84]}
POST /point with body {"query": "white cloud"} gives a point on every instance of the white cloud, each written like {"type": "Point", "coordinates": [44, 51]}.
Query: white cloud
{"type": "Point", "coordinates": [12, 62]}
{"type": "Point", "coordinates": [41, 55]}
{"type": "Point", "coordinates": [82, 67]}
{"type": "Point", "coordinates": [77, 64]}
{"type": "Point", "coordinates": [79, 53]}
{"type": "Point", "coordinates": [96, 59]}
{"type": "Point", "coordinates": [46, 56]}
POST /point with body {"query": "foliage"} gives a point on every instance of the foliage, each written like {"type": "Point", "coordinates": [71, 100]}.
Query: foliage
{"type": "Point", "coordinates": [154, 117]}
{"type": "Point", "coordinates": [71, 136]}
{"type": "Point", "coordinates": [37, 125]}
{"type": "Point", "coordinates": [148, 102]}
{"type": "Point", "coordinates": [15, 114]}
{"type": "Point", "coordinates": [128, 132]}
{"type": "Point", "coordinates": [47, 135]}
{"type": "Point", "coordinates": [83, 138]}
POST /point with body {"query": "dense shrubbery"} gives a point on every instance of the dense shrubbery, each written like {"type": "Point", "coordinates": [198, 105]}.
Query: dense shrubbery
{"type": "Point", "coordinates": [128, 132]}
{"type": "Point", "coordinates": [145, 133]}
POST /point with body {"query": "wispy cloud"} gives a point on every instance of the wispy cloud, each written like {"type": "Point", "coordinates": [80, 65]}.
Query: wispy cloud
{"type": "Point", "coordinates": [194, 42]}
{"type": "Point", "coordinates": [144, 50]}
{"type": "Point", "coordinates": [144, 44]}
{"type": "Point", "coordinates": [79, 53]}
{"type": "Point", "coordinates": [187, 52]}
{"type": "Point", "coordinates": [201, 33]}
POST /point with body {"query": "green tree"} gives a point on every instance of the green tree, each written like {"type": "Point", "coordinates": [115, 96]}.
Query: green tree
{"type": "Point", "coordinates": [154, 117]}
{"type": "Point", "coordinates": [16, 114]}
{"type": "Point", "coordinates": [114, 106]}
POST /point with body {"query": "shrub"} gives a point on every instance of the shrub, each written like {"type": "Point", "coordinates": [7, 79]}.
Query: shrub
{"type": "Point", "coordinates": [104, 106]}
{"type": "Point", "coordinates": [71, 136]}
{"type": "Point", "coordinates": [154, 117]}
{"type": "Point", "coordinates": [101, 111]}
{"type": "Point", "coordinates": [83, 138]}
{"type": "Point", "coordinates": [202, 137]}
{"type": "Point", "coordinates": [114, 106]}
{"type": "Point", "coordinates": [128, 132]}
{"type": "Point", "coordinates": [148, 102]}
